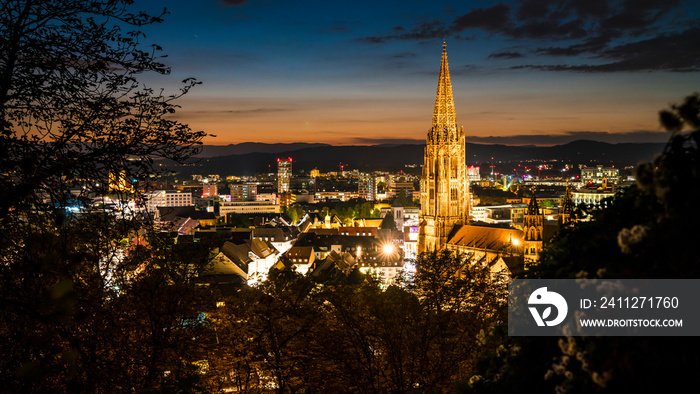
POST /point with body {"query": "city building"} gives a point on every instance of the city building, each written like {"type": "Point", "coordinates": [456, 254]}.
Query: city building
{"type": "Point", "coordinates": [592, 195]}
{"type": "Point", "coordinates": [209, 189]}
{"type": "Point", "coordinates": [400, 189]}
{"type": "Point", "coordinates": [282, 238]}
{"type": "Point", "coordinates": [166, 198]}
{"type": "Point", "coordinates": [183, 220]}
{"type": "Point", "coordinates": [597, 174]}
{"type": "Point", "coordinates": [367, 187]}
{"type": "Point", "coordinates": [300, 257]}
{"type": "Point", "coordinates": [444, 188]}
{"type": "Point", "coordinates": [247, 207]}
{"type": "Point", "coordinates": [247, 191]}
{"type": "Point", "coordinates": [287, 199]}
{"type": "Point", "coordinates": [253, 257]}
{"type": "Point", "coordinates": [303, 184]}
{"type": "Point", "coordinates": [473, 174]}
{"type": "Point", "coordinates": [284, 174]}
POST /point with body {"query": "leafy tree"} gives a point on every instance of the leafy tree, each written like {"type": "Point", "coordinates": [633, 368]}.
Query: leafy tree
{"type": "Point", "coordinates": [72, 112]}
{"type": "Point", "coordinates": [89, 302]}
{"type": "Point", "coordinates": [388, 223]}
{"type": "Point", "coordinates": [644, 232]}
{"type": "Point", "coordinates": [363, 210]}
{"type": "Point", "coordinates": [238, 220]}
{"type": "Point", "coordinates": [294, 334]}
{"type": "Point", "coordinates": [295, 212]}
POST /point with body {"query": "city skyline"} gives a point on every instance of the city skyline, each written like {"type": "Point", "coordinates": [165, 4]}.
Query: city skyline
{"type": "Point", "coordinates": [523, 72]}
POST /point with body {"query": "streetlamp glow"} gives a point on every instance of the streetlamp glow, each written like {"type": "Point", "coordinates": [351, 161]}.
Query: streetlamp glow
{"type": "Point", "coordinates": [388, 249]}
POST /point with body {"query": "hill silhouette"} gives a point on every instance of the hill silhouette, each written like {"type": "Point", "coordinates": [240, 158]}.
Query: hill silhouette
{"type": "Point", "coordinates": [251, 158]}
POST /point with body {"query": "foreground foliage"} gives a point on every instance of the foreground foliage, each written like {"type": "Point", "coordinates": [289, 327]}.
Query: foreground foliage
{"type": "Point", "coordinates": [647, 231]}
{"type": "Point", "coordinates": [294, 335]}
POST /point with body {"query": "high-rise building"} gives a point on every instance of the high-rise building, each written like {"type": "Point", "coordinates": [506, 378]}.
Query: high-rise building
{"type": "Point", "coordinates": [367, 187]}
{"type": "Point", "coordinates": [444, 192]}
{"type": "Point", "coordinates": [284, 174]}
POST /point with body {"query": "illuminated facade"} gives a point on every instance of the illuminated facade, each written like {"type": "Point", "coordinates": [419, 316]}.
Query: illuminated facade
{"type": "Point", "coordinates": [596, 175]}
{"type": "Point", "coordinates": [473, 174]}
{"type": "Point", "coordinates": [244, 191]}
{"type": "Point", "coordinates": [367, 187]}
{"type": "Point", "coordinates": [284, 174]}
{"type": "Point", "coordinates": [533, 231]}
{"type": "Point", "coordinates": [444, 188]}
{"type": "Point", "coordinates": [166, 198]}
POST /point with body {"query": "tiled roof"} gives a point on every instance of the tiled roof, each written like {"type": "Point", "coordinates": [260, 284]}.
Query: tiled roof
{"type": "Point", "coordinates": [490, 238]}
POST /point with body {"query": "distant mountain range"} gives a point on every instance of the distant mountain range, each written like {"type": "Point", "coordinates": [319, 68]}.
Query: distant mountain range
{"type": "Point", "coordinates": [253, 147]}
{"type": "Point", "coordinates": [250, 158]}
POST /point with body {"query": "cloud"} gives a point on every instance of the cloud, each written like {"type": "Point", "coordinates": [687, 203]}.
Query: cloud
{"type": "Point", "coordinates": [494, 19]}
{"type": "Point", "coordinates": [229, 113]}
{"type": "Point", "coordinates": [386, 141]}
{"type": "Point", "coordinates": [338, 29]}
{"type": "Point", "coordinates": [590, 45]}
{"type": "Point", "coordinates": [404, 55]}
{"type": "Point", "coordinates": [420, 31]}
{"type": "Point", "coordinates": [233, 3]}
{"type": "Point", "coordinates": [372, 39]}
{"type": "Point", "coordinates": [506, 55]}
{"type": "Point", "coordinates": [638, 15]}
{"type": "Point", "coordinates": [672, 52]}
{"type": "Point", "coordinates": [615, 35]}
{"type": "Point", "coordinates": [641, 136]}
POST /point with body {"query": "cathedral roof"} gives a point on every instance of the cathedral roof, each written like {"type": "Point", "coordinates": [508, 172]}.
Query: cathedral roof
{"type": "Point", "coordinates": [490, 238]}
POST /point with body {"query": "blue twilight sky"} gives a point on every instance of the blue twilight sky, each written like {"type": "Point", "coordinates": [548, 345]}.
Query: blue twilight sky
{"type": "Point", "coordinates": [365, 72]}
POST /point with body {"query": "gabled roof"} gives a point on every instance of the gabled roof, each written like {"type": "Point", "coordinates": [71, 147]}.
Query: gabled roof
{"type": "Point", "coordinates": [334, 265]}
{"type": "Point", "coordinates": [262, 249]}
{"type": "Point", "coordinates": [490, 238]}
{"type": "Point", "coordinates": [222, 265]}
{"type": "Point", "coordinates": [277, 234]}
{"type": "Point", "coordinates": [300, 252]}
{"type": "Point", "coordinates": [168, 214]}
{"type": "Point", "coordinates": [238, 254]}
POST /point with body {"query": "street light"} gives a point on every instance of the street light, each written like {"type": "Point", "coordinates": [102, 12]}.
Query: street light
{"type": "Point", "coordinates": [388, 249]}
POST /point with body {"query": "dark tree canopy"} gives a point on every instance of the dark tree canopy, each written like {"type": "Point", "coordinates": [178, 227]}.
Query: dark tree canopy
{"type": "Point", "coordinates": [90, 301]}
{"type": "Point", "coordinates": [646, 231]}
{"type": "Point", "coordinates": [72, 111]}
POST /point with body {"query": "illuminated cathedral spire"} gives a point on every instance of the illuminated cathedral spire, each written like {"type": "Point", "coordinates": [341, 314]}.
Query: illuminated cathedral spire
{"type": "Point", "coordinates": [444, 120]}
{"type": "Point", "coordinates": [444, 188]}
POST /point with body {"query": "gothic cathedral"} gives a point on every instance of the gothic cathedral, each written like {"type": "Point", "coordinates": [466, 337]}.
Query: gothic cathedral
{"type": "Point", "coordinates": [444, 190]}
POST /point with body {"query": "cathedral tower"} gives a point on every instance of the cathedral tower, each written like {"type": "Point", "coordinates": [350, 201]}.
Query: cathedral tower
{"type": "Point", "coordinates": [444, 190]}
{"type": "Point", "coordinates": [533, 230]}
{"type": "Point", "coordinates": [566, 215]}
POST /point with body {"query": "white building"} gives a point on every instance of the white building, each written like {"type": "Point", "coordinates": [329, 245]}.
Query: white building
{"type": "Point", "coordinates": [473, 174]}
{"type": "Point", "coordinates": [167, 198]}
{"type": "Point", "coordinates": [248, 207]}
